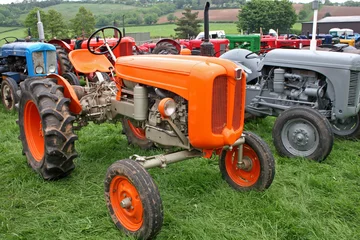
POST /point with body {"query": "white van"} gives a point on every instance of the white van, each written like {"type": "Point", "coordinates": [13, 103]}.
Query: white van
{"type": "Point", "coordinates": [212, 34]}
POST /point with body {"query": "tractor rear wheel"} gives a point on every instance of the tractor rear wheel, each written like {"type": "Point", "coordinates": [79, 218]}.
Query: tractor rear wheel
{"type": "Point", "coordinates": [64, 64]}
{"type": "Point", "coordinates": [133, 199]}
{"type": "Point", "coordinates": [303, 132]}
{"type": "Point", "coordinates": [165, 48]}
{"type": "Point", "coordinates": [46, 128]}
{"type": "Point", "coordinates": [257, 169]}
{"type": "Point", "coordinates": [347, 129]}
{"type": "Point", "coordinates": [136, 136]}
{"type": "Point", "coordinates": [9, 96]}
{"type": "Point", "coordinates": [71, 78]}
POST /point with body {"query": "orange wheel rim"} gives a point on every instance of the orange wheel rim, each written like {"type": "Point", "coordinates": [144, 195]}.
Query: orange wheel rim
{"type": "Point", "coordinates": [243, 177]}
{"type": "Point", "coordinates": [138, 132]}
{"type": "Point", "coordinates": [33, 131]}
{"type": "Point", "coordinates": [130, 217]}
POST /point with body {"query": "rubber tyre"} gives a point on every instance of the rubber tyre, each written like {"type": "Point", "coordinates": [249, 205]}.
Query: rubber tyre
{"type": "Point", "coordinates": [64, 64]}
{"type": "Point", "coordinates": [71, 78]}
{"type": "Point", "coordinates": [261, 172]}
{"type": "Point", "coordinates": [46, 128]}
{"type": "Point", "coordinates": [307, 118]}
{"type": "Point", "coordinates": [9, 96]}
{"type": "Point", "coordinates": [165, 48]}
{"type": "Point", "coordinates": [135, 136]}
{"type": "Point", "coordinates": [104, 75]}
{"type": "Point", "coordinates": [353, 125]}
{"type": "Point", "coordinates": [128, 179]}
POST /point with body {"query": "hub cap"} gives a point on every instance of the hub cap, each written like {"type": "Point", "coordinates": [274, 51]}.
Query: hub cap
{"type": "Point", "coordinates": [300, 137]}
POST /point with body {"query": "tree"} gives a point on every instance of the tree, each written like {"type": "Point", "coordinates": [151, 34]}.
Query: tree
{"type": "Point", "coordinates": [302, 15]}
{"type": "Point", "coordinates": [31, 21]}
{"type": "Point", "coordinates": [56, 27]}
{"type": "Point", "coordinates": [151, 18]}
{"type": "Point", "coordinates": [188, 25]}
{"type": "Point", "coordinates": [84, 23]}
{"type": "Point", "coordinates": [171, 17]}
{"type": "Point", "coordinates": [256, 14]}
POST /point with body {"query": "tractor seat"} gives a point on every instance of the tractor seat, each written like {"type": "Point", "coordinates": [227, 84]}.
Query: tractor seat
{"type": "Point", "coordinates": [86, 62]}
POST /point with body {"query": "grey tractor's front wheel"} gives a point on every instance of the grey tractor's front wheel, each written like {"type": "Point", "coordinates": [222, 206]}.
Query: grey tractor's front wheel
{"type": "Point", "coordinates": [9, 96]}
{"type": "Point", "coordinates": [46, 129]}
{"type": "Point", "coordinates": [303, 132]}
{"type": "Point", "coordinates": [348, 128]}
{"type": "Point", "coordinates": [256, 169]}
{"type": "Point", "coordinates": [133, 199]}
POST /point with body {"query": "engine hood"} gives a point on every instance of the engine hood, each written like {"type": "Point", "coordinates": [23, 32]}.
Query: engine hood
{"type": "Point", "coordinates": [299, 58]}
{"type": "Point", "coordinates": [23, 48]}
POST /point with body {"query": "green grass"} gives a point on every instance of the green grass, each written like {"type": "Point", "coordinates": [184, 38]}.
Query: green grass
{"type": "Point", "coordinates": [307, 200]}
{"type": "Point", "coordinates": [19, 33]}
{"type": "Point", "coordinates": [297, 26]}
{"type": "Point", "coordinates": [69, 10]}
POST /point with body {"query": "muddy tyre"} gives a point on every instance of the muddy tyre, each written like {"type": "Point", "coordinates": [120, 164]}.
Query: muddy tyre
{"type": "Point", "coordinates": [71, 78]}
{"type": "Point", "coordinates": [303, 132]}
{"type": "Point", "coordinates": [347, 129]}
{"type": "Point", "coordinates": [46, 128]}
{"type": "Point", "coordinates": [64, 64]}
{"type": "Point", "coordinates": [165, 48]}
{"type": "Point", "coordinates": [136, 136]}
{"type": "Point", "coordinates": [9, 96]}
{"type": "Point", "coordinates": [257, 169]}
{"type": "Point", "coordinates": [133, 199]}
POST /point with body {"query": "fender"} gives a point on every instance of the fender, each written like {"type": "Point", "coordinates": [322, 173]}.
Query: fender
{"type": "Point", "coordinates": [69, 92]}
{"type": "Point", "coordinates": [61, 43]}
{"type": "Point", "coordinates": [172, 42]}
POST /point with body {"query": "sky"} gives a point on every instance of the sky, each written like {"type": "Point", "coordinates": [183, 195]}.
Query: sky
{"type": "Point", "coordinates": [295, 1]}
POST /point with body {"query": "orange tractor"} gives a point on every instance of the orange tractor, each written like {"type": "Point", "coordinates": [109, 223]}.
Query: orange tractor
{"type": "Point", "coordinates": [191, 103]}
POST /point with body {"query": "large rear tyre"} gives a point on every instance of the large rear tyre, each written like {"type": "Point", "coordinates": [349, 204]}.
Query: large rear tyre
{"type": "Point", "coordinates": [303, 132]}
{"type": "Point", "coordinates": [64, 64]}
{"type": "Point", "coordinates": [255, 171]}
{"type": "Point", "coordinates": [46, 128]}
{"type": "Point", "coordinates": [165, 48]}
{"type": "Point", "coordinates": [348, 128]}
{"type": "Point", "coordinates": [71, 78]}
{"type": "Point", "coordinates": [133, 199]}
{"type": "Point", "coordinates": [136, 136]}
{"type": "Point", "coordinates": [9, 96]}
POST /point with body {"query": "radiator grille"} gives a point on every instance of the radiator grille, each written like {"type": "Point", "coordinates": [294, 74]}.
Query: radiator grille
{"type": "Point", "coordinates": [237, 106]}
{"type": "Point", "coordinates": [354, 79]}
{"type": "Point", "coordinates": [219, 104]}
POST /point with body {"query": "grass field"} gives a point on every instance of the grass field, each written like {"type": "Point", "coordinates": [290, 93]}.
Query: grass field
{"type": "Point", "coordinates": [307, 200]}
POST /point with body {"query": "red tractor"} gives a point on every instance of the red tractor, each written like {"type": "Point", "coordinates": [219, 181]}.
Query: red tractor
{"type": "Point", "coordinates": [162, 100]}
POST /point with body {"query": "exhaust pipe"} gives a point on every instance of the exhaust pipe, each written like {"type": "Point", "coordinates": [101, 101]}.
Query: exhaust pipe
{"type": "Point", "coordinates": [206, 48]}
{"type": "Point", "coordinates": [40, 28]}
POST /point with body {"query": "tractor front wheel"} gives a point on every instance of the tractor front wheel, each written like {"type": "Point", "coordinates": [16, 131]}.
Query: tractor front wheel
{"type": "Point", "coordinates": [9, 95]}
{"type": "Point", "coordinates": [71, 78]}
{"type": "Point", "coordinates": [256, 169]}
{"type": "Point", "coordinates": [303, 132]}
{"type": "Point", "coordinates": [133, 199]}
{"type": "Point", "coordinates": [46, 128]}
{"type": "Point", "coordinates": [135, 135]}
{"type": "Point", "coordinates": [64, 64]}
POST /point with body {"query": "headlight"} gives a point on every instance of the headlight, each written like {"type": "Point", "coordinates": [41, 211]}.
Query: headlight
{"type": "Point", "coordinates": [52, 68]}
{"type": "Point", "coordinates": [39, 70]}
{"type": "Point", "coordinates": [167, 107]}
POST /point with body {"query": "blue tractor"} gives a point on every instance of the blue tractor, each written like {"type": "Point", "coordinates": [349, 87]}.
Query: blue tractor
{"type": "Point", "coordinates": [20, 60]}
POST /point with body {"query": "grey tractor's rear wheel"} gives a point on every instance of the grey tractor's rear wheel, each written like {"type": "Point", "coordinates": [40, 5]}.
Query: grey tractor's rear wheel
{"type": "Point", "coordinates": [46, 129]}
{"type": "Point", "coordinates": [303, 132]}
{"type": "Point", "coordinates": [348, 128]}
{"type": "Point", "coordinates": [165, 48]}
{"type": "Point", "coordinates": [64, 64]}
{"type": "Point", "coordinates": [133, 199]}
{"type": "Point", "coordinates": [135, 136]}
{"type": "Point", "coordinates": [9, 96]}
{"type": "Point", "coordinates": [255, 171]}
